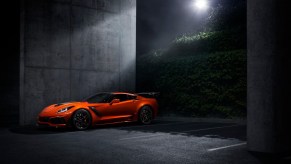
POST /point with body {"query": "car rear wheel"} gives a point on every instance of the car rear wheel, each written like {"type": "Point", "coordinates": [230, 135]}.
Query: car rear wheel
{"type": "Point", "coordinates": [146, 115]}
{"type": "Point", "coordinates": [81, 119]}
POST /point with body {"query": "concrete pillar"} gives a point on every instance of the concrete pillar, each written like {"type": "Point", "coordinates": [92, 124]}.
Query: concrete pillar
{"type": "Point", "coordinates": [71, 49]}
{"type": "Point", "coordinates": [269, 74]}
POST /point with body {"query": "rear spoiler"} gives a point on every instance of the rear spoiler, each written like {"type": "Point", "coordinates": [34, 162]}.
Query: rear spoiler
{"type": "Point", "coordinates": [149, 94]}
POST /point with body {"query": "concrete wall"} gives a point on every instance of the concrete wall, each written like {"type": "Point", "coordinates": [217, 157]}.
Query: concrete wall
{"type": "Point", "coordinates": [71, 49]}
{"type": "Point", "coordinates": [269, 73]}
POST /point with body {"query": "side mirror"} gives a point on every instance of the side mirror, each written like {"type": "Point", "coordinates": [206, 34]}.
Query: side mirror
{"type": "Point", "coordinates": [114, 101]}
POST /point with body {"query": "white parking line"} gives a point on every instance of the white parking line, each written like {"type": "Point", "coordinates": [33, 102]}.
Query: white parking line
{"type": "Point", "coordinates": [225, 147]}
{"type": "Point", "coordinates": [182, 132]}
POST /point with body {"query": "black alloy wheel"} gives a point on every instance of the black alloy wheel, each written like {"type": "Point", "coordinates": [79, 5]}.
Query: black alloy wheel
{"type": "Point", "coordinates": [81, 119]}
{"type": "Point", "coordinates": [146, 115]}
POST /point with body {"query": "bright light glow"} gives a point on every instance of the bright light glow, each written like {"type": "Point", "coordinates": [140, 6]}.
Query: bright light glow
{"type": "Point", "coordinates": [201, 4]}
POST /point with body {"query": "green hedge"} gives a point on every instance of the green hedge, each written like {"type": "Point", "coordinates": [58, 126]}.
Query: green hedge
{"type": "Point", "coordinates": [205, 84]}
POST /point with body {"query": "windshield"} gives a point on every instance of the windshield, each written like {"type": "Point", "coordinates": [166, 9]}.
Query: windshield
{"type": "Point", "coordinates": [99, 98]}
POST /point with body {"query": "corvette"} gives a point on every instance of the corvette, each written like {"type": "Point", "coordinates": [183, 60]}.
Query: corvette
{"type": "Point", "coordinates": [101, 108]}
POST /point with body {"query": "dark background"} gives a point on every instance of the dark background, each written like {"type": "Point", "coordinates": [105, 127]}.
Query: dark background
{"type": "Point", "coordinates": [9, 63]}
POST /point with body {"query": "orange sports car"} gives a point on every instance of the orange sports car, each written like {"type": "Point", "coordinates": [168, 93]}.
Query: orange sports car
{"type": "Point", "coordinates": [102, 108]}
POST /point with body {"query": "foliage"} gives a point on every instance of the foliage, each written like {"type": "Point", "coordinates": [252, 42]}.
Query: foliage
{"type": "Point", "coordinates": [188, 39]}
{"type": "Point", "coordinates": [208, 42]}
{"type": "Point", "coordinates": [200, 85]}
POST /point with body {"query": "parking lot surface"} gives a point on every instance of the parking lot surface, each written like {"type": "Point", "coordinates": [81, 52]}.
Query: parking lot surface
{"type": "Point", "coordinates": [164, 141]}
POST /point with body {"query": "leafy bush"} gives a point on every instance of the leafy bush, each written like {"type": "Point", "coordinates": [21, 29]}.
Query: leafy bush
{"type": "Point", "coordinates": [211, 84]}
{"type": "Point", "coordinates": [202, 74]}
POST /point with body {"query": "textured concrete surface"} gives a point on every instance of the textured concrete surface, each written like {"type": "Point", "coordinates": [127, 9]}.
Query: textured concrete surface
{"type": "Point", "coordinates": [164, 141]}
{"type": "Point", "coordinates": [167, 140]}
{"type": "Point", "coordinates": [71, 49]}
{"type": "Point", "coordinates": [269, 81]}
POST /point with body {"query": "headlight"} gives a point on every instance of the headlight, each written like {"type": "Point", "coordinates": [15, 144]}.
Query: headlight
{"type": "Point", "coordinates": [65, 109]}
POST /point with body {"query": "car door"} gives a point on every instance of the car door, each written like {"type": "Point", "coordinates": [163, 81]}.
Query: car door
{"type": "Point", "coordinates": [124, 110]}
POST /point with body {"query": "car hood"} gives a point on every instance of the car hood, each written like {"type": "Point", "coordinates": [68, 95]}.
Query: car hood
{"type": "Point", "coordinates": [53, 109]}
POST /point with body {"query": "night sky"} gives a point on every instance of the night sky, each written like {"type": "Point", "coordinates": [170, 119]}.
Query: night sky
{"type": "Point", "coordinates": [160, 21]}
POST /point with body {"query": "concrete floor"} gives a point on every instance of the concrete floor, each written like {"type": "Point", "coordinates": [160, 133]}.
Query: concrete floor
{"type": "Point", "coordinates": [165, 141]}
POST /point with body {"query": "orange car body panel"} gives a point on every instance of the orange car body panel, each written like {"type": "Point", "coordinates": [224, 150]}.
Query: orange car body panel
{"type": "Point", "coordinates": [101, 113]}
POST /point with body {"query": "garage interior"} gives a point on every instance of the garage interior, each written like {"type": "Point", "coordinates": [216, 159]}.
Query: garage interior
{"type": "Point", "coordinates": [59, 60]}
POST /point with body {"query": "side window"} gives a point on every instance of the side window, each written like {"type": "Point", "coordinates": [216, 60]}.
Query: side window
{"type": "Point", "coordinates": [110, 99]}
{"type": "Point", "coordinates": [121, 97]}
{"type": "Point", "coordinates": [131, 97]}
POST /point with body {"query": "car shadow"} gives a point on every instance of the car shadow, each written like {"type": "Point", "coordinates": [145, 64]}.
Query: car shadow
{"type": "Point", "coordinates": [35, 130]}
{"type": "Point", "coordinates": [190, 129]}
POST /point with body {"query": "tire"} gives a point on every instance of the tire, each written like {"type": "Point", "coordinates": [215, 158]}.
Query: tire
{"type": "Point", "coordinates": [145, 115]}
{"type": "Point", "coordinates": [81, 119]}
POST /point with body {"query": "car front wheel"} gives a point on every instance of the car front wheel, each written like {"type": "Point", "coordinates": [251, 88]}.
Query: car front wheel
{"type": "Point", "coordinates": [81, 119]}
